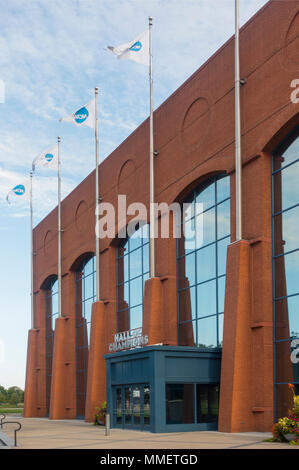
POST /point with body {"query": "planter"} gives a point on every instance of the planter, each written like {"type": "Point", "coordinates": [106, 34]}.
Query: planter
{"type": "Point", "coordinates": [290, 437]}
{"type": "Point", "coordinates": [101, 421]}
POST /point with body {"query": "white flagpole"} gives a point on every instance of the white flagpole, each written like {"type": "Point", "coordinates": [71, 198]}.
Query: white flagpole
{"type": "Point", "coordinates": [152, 180]}
{"type": "Point", "coordinates": [31, 234]}
{"type": "Point", "coordinates": [59, 227]}
{"type": "Point", "coordinates": [238, 155]}
{"type": "Point", "coordinates": [97, 197]}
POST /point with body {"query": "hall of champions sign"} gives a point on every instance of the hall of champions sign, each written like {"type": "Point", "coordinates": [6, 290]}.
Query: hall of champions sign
{"type": "Point", "coordinates": [128, 340]}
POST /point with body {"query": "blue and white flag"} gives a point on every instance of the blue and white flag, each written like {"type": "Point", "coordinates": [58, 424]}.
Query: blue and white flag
{"type": "Point", "coordinates": [84, 116]}
{"type": "Point", "coordinates": [48, 158]}
{"type": "Point", "coordinates": [137, 49]}
{"type": "Point", "coordinates": [19, 190]}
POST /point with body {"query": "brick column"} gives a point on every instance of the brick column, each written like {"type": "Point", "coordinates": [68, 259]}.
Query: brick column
{"type": "Point", "coordinates": [63, 385]}
{"type": "Point", "coordinates": [103, 326]}
{"type": "Point", "coordinates": [30, 398]}
{"type": "Point", "coordinates": [236, 386]}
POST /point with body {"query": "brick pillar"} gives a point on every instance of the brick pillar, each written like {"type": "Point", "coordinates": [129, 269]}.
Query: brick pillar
{"type": "Point", "coordinates": [63, 386]}
{"type": "Point", "coordinates": [236, 385]}
{"type": "Point", "coordinates": [30, 398]}
{"type": "Point", "coordinates": [153, 322]}
{"type": "Point", "coordinates": [103, 326]}
{"type": "Point", "coordinates": [35, 388]}
{"type": "Point", "coordinates": [246, 389]}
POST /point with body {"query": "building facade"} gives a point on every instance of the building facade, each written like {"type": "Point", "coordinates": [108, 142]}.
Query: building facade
{"type": "Point", "coordinates": [217, 329]}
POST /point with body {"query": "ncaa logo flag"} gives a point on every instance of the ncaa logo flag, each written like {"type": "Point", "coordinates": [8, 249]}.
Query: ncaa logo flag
{"type": "Point", "coordinates": [84, 116]}
{"type": "Point", "coordinates": [19, 190]}
{"type": "Point", "coordinates": [137, 49]}
{"type": "Point", "coordinates": [47, 159]}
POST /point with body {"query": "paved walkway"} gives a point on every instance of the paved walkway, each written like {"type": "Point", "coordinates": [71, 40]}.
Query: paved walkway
{"type": "Point", "coordinates": [41, 433]}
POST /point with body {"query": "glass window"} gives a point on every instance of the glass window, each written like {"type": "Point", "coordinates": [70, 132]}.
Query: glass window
{"type": "Point", "coordinates": [223, 189]}
{"type": "Point", "coordinates": [288, 179]}
{"type": "Point", "coordinates": [221, 294]}
{"type": "Point", "coordinates": [51, 313]}
{"type": "Point", "coordinates": [136, 404]}
{"type": "Point", "coordinates": [209, 232]}
{"type": "Point", "coordinates": [206, 299]}
{"type": "Point", "coordinates": [207, 401]}
{"type": "Point", "coordinates": [85, 290]}
{"type": "Point", "coordinates": [179, 403]}
{"type": "Point", "coordinates": [202, 267]}
{"type": "Point", "coordinates": [207, 332]}
{"type": "Point", "coordinates": [187, 333]}
{"type": "Point", "coordinates": [132, 269]}
{"type": "Point", "coordinates": [187, 304]}
{"type": "Point", "coordinates": [206, 197]}
{"type": "Point", "coordinates": [190, 262]}
{"type": "Point", "coordinates": [205, 262]}
{"type": "Point", "coordinates": [221, 255]}
{"type": "Point", "coordinates": [146, 405]}
{"type": "Point", "coordinates": [285, 173]}
{"type": "Point", "coordinates": [223, 219]}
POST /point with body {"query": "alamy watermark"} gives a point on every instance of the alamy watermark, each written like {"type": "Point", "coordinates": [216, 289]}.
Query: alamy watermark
{"type": "Point", "coordinates": [295, 351]}
{"type": "Point", "coordinates": [171, 221]}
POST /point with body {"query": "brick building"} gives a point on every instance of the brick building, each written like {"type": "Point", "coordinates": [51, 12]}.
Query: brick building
{"type": "Point", "coordinates": [222, 319]}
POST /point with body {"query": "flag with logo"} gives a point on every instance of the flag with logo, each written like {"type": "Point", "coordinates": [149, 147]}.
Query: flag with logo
{"type": "Point", "coordinates": [137, 49]}
{"type": "Point", "coordinates": [20, 190]}
{"type": "Point", "coordinates": [48, 158]}
{"type": "Point", "coordinates": [84, 116]}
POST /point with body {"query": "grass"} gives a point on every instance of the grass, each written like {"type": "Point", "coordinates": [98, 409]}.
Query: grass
{"type": "Point", "coordinates": [7, 410]}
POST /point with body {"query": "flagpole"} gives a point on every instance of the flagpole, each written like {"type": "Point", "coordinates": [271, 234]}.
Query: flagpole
{"type": "Point", "coordinates": [238, 156]}
{"type": "Point", "coordinates": [31, 239]}
{"type": "Point", "coordinates": [151, 151]}
{"type": "Point", "coordinates": [59, 227]}
{"type": "Point", "coordinates": [97, 197]}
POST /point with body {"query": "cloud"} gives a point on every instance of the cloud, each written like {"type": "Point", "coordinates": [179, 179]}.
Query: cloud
{"type": "Point", "coordinates": [44, 194]}
{"type": "Point", "coordinates": [52, 57]}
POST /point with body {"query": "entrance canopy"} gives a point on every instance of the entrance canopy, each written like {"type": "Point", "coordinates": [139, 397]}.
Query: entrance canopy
{"type": "Point", "coordinates": [164, 388]}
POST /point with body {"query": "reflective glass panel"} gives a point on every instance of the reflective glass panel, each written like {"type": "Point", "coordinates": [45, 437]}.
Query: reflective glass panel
{"type": "Point", "coordinates": [205, 263]}
{"type": "Point", "coordinates": [223, 219]}
{"type": "Point", "coordinates": [201, 264]}
{"type": "Point", "coordinates": [179, 403]}
{"type": "Point", "coordinates": [207, 401]}
{"type": "Point", "coordinates": [146, 405]}
{"type": "Point", "coordinates": [85, 288]}
{"type": "Point", "coordinates": [223, 189]}
{"type": "Point", "coordinates": [207, 332]}
{"type": "Point", "coordinates": [206, 299]}
{"type": "Point", "coordinates": [133, 268]}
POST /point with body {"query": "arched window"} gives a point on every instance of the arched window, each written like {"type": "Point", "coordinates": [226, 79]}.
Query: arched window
{"type": "Point", "coordinates": [201, 263]}
{"type": "Point", "coordinates": [285, 223]}
{"type": "Point", "coordinates": [85, 279]}
{"type": "Point", "coordinates": [51, 313]}
{"type": "Point", "coordinates": [132, 271]}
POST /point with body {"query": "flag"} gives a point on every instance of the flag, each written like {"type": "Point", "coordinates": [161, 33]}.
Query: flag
{"type": "Point", "coordinates": [47, 159]}
{"type": "Point", "coordinates": [137, 49]}
{"type": "Point", "coordinates": [84, 116]}
{"type": "Point", "coordinates": [18, 191]}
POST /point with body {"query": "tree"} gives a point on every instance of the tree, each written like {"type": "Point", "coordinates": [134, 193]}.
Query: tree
{"type": "Point", "coordinates": [3, 397]}
{"type": "Point", "coordinates": [13, 400]}
{"type": "Point", "coordinates": [13, 395]}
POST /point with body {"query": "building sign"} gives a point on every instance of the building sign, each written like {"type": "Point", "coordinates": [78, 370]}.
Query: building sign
{"type": "Point", "coordinates": [128, 340]}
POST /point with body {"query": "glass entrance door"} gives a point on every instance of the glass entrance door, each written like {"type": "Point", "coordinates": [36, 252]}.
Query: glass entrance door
{"type": "Point", "coordinates": [131, 406]}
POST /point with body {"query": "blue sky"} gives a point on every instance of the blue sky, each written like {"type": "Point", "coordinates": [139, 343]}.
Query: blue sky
{"type": "Point", "coordinates": [51, 58]}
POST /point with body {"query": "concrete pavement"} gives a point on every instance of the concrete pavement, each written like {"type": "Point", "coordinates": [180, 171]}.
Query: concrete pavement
{"type": "Point", "coordinates": [42, 433]}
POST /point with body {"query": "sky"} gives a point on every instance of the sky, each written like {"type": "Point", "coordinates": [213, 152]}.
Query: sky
{"type": "Point", "coordinates": [52, 55]}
